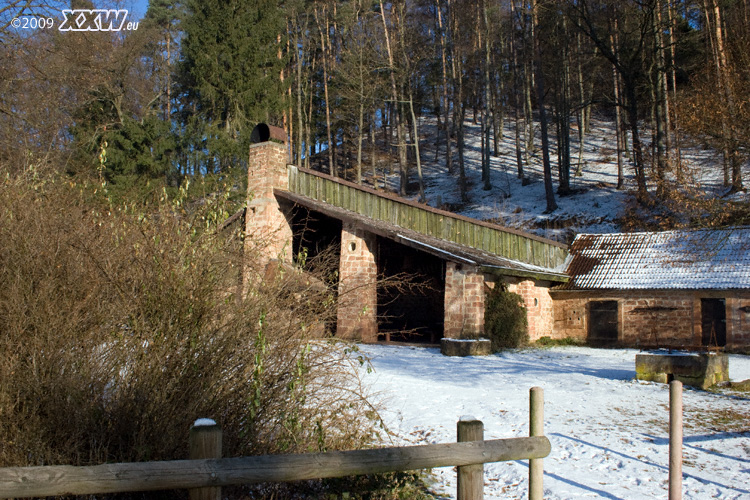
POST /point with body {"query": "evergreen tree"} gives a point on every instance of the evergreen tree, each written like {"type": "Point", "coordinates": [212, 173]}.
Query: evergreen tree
{"type": "Point", "coordinates": [230, 74]}
{"type": "Point", "coordinates": [127, 152]}
{"type": "Point", "coordinates": [119, 134]}
{"type": "Point", "coordinates": [163, 19]}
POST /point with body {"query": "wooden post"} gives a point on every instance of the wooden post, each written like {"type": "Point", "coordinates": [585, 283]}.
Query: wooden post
{"type": "Point", "coordinates": [675, 440]}
{"type": "Point", "coordinates": [536, 428]}
{"type": "Point", "coordinates": [470, 477]}
{"type": "Point", "coordinates": [205, 442]}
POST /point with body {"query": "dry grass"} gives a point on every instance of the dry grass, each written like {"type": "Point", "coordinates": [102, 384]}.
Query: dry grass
{"type": "Point", "coordinates": [718, 420]}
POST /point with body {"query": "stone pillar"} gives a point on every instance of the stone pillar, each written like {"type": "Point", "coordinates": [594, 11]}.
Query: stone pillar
{"type": "Point", "coordinates": [539, 308]}
{"type": "Point", "coordinates": [358, 297]}
{"type": "Point", "coordinates": [464, 301]}
{"type": "Point", "coordinates": [268, 235]}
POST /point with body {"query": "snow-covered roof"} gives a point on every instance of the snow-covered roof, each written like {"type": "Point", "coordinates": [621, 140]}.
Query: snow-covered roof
{"type": "Point", "coordinates": [707, 259]}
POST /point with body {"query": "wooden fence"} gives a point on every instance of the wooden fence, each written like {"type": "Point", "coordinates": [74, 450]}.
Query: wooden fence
{"type": "Point", "coordinates": [497, 240]}
{"type": "Point", "coordinates": [205, 473]}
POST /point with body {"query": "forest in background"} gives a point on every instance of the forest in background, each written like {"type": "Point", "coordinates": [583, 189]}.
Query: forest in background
{"type": "Point", "coordinates": [351, 81]}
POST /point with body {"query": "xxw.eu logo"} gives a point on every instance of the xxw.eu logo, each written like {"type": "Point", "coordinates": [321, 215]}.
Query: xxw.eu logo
{"type": "Point", "coordinates": [96, 20]}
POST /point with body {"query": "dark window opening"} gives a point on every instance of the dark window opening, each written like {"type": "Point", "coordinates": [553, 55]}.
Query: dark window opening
{"type": "Point", "coordinates": [714, 322]}
{"type": "Point", "coordinates": [410, 314]}
{"type": "Point", "coordinates": [603, 322]}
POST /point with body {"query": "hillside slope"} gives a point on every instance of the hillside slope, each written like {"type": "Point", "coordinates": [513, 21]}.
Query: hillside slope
{"type": "Point", "coordinates": [596, 206]}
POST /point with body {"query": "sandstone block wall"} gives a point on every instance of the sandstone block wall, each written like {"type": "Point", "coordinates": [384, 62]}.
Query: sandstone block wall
{"type": "Point", "coordinates": [464, 301]}
{"type": "Point", "coordinates": [738, 320]}
{"type": "Point", "coordinates": [570, 316]}
{"type": "Point", "coordinates": [659, 317]}
{"type": "Point", "coordinates": [666, 317]}
{"type": "Point", "coordinates": [539, 306]}
{"type": "Point", "coordinates": [358, 297]}
{"type": "Point", "coordinates": [268, 233]}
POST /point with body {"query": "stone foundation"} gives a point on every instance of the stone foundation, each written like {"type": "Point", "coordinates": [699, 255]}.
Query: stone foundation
{"type": "Point", "coordinates": [697, 370]}
{"type": "Point", "coordinates": [666, 318]}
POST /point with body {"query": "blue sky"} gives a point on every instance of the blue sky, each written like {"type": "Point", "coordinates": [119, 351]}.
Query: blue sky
{"type": "Point", "coordinates": [136, 9]}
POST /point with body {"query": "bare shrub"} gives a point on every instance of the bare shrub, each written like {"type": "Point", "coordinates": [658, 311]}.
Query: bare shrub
{"type": "Point", "coordinates": [118, 328]}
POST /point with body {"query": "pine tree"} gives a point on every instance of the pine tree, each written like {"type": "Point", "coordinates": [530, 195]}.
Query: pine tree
{"type": "Point", "coordinates": [164, 17]}
{"type": "Point", "coordinates": [230, 73]}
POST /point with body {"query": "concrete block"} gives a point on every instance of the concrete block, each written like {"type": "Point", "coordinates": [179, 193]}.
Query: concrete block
{"type": "Point", "coordinates": [465, 347]}
{"type": "Point", "coordinates": [698, 370]}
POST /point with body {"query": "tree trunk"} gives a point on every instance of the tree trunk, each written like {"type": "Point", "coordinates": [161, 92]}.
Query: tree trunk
{"type": "Point", "coordinates": [563, 112]}
{"type": "Point", "coordinates": [528, 33]}
{"type": "Point", "coordinates": [373, 151]}
{"type": "Point", "coordinates": [403, 167]}
{"type": "Point", "coordinates": [487, 103]}
{"type": "Point", "coordinates": [446, 102]}
{"type": "Point", "coordinates": [714, 38]}
{"type": "Point", "coordinates": [298, 60]}
{"type": "Point", "coordinates": [497, 120]}
{"type": "Point", "coordinates": [674, 130]}
{"type": "Point", "coordinates": [415, 126]}
{"type": "Point", "coordinates": [618, 120]}
{"type": "Point", "coordinates": [581, 117]}
{"type": "Point", "coordinates": [460, 143]}
{"type": "Point", "coordinates": [640, 175]}
{"type": "Point", "coordinates": [169, 75]}
{"type": "Point", "coordinates": [308, 134]}
{"type": "Point", "coordinates": [730, 115]}
{"type": "Point", "coordinates": [515, 91]}
{"type": "Point", "coordinates": [548, 188]}
{"type": "Point", "coordinates": [324, 55]}
{"type": "Point", "coordinates": [659, 103]}
{"type": "Point", "coordinates": [360, 133]}
{"type": "Point", "coordinates": [528, 114]}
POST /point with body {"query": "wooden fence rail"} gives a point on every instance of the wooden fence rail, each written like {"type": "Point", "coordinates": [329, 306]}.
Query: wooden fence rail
{"type": "Point", "coordinates": [43, 481]}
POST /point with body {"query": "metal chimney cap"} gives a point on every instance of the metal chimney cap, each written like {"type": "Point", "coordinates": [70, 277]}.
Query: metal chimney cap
{"type": "Point", "coordinates": [264, 133]}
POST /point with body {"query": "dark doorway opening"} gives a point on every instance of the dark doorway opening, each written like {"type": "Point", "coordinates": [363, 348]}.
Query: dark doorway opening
{"type": "Point", "coordinates": [714, 322]}
{"type": "Point", "coordinates": [316, 248]}
{"type": "Point", "coordinates": [410, 314]}
{"type": "Point", "coordinates": [603, 322]}
{"type": "Point", "coordinates": [316, 236]}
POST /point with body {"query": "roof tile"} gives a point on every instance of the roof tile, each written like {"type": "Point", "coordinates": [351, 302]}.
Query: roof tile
{"type": "Point", "coordinates": [696, 259]}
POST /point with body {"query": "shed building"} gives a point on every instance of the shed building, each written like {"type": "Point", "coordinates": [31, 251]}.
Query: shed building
{"type": "Point", "coordinates": [671, 288]}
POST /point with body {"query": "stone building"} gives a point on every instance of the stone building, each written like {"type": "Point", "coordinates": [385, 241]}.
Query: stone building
{"type": "Point", "coordinates": [686, 288]}
{"type": "Point", "coordinates": [672, 288]}
{"type": "Point", "coordinates": [379, 235]}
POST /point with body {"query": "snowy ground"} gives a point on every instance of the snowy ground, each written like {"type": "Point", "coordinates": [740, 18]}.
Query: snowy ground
{"type": "Point", "coordinates": [608, 431]}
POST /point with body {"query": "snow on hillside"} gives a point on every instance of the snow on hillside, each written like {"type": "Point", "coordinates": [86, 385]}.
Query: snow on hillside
{"type": "Point", "coordinates": [608, 431]}
{"type": "Point", "coordinates": [594, 208]}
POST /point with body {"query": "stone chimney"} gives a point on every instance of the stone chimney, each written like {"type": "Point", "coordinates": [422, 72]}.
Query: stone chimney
{"type": "Point", "coordinates": [268, 235]}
